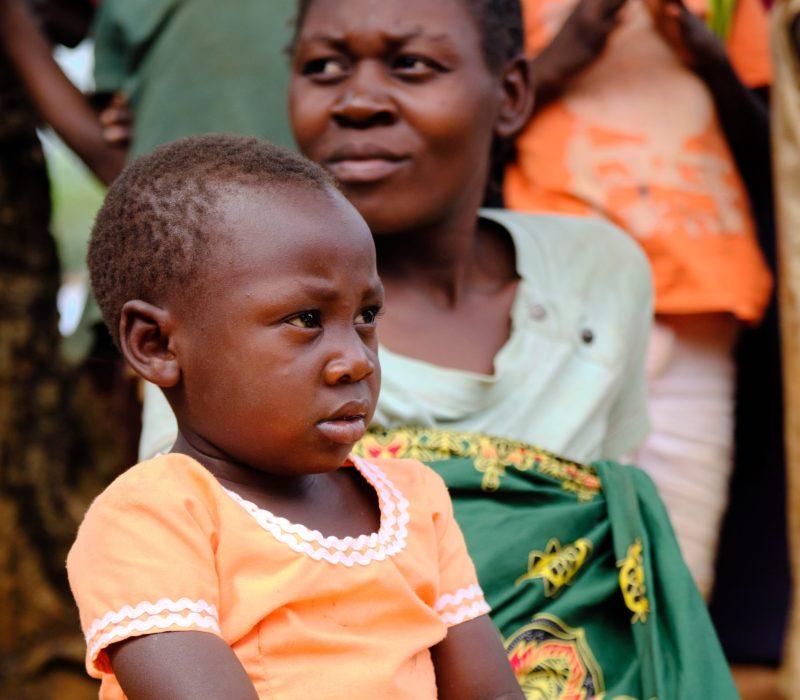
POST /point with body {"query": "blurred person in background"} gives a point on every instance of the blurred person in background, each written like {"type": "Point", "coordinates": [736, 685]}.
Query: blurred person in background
{"type": "Point", "coordinates": [54, 419]}
{"type": "Point", "coordinates": [196, 66]}
{"type": "Point", "coordinates": [644, 118]}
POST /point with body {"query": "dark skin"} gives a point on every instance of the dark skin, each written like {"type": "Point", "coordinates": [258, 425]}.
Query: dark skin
{"type": "Point", "coordinates": [100, 141]}
{"type": "Point", "coordinates": [396, 100]}
{"type": "Point", "coordinates": [299, 343]}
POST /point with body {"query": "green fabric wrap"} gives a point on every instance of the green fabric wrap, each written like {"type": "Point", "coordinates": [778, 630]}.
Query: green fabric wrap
{"type": "Point", "coordinates": [197, 66]}
{"type": "Point", "coordinates": [555, 543]}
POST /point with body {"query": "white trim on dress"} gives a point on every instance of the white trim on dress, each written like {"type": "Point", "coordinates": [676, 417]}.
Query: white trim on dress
{"type": "Point", "coordinates": [120, 624]}
{"type": "Point", "coordinates": [389, 540]}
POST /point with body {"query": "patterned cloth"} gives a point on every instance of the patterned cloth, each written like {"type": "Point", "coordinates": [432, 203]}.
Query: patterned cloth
{"type": "Point", "coordinates": [580, 566]}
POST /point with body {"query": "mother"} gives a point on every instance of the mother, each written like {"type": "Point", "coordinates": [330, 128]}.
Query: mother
{"type": "Point", "coordinates": [529, 328]}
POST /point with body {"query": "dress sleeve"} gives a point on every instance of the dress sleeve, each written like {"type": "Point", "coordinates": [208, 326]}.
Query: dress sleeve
{"type": "Point", "coordinates": [143, 562]}
{"type": "Point", "coordinates": [460, 597]}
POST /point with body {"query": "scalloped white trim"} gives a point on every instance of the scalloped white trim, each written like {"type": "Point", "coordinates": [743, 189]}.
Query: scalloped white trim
{"type": "Point", "coordinates": [467, 612]}
{"type": "Point", "coordinates": [349, 551]}
{"type": "Point", "coordinates": [182, 605]}
{"type": "Point", "coordinates": [473, 592]}
{"type": "Point", "coordinates": [147, 616]}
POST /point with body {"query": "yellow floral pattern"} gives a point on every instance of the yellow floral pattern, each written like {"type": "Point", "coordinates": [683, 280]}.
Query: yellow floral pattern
{"type": "Point", "coordinates": [557, 566]}
{"type": "Point", "coordinates": [632, 584]}
{"type": "Point", "coordinates": [491, 456]}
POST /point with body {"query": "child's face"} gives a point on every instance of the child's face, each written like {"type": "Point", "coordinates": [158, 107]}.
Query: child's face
{"type": "Point", "coordinates": [278, 348]}
{"type": "Point", "coordinates": [394, 98]}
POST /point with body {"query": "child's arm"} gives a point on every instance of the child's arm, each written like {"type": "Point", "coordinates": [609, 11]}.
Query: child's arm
{"type": "Point", "coordinates": [471, 664]}
{"type": "Point", "coordinates": [179, 666]}
{"type": "Point", "coordinates": [60, 103]}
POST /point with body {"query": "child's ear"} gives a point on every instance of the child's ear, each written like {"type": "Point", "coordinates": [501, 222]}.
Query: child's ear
{"type": "Point", "coordinates": [144, 338]}
{"type": "Point", "coordinates": [516, 105]}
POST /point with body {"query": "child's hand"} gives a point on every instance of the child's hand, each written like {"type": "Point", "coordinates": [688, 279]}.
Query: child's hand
{"type": "Point", "coordinates": [576, 46]}
{"type": "Point", "coordinates": [687, 34]}
{"type": "Point", "coordinates": [116, 121]}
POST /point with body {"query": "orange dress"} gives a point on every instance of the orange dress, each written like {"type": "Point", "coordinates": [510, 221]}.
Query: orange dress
{"type": "Point", "coordinates": [636, 139]}
{"type": "Point", "coordinates": [167, 547]}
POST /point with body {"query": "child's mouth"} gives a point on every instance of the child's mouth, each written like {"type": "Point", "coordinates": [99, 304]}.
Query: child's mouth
{"type": "Point", "coordinates": [347, 426]}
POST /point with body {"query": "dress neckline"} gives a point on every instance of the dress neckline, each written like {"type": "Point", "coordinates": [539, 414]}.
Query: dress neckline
{"type": "Point", "coordinates": [348, 551]}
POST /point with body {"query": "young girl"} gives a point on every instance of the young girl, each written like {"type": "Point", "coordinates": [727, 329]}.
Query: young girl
{"type": "Point", "coordinates": [277, 566]}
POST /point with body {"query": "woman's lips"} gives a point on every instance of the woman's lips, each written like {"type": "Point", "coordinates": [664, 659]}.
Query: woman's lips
{"type": "Point", "coordinates": [345, 431]}
{"type": "Point", "coordinates": [362, 170]}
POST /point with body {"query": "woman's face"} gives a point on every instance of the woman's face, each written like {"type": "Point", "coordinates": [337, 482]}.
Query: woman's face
{"type": "Point", "coordinates": [394, 98]}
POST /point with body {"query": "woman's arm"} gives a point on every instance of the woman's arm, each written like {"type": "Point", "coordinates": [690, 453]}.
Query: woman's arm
{"type": "Point", "coordinates": [471, 664]}
{"type": "Point", "coordinates": [179, 666]}
{"type": "Point", "coordinates": [59, 102]}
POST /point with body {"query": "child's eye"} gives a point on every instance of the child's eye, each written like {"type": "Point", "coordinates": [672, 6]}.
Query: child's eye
{"type": "Point", "coordinates": [328, 68]}
{"type": "Point", "coordinates": [411, 65]}
{"type": "Point", "coordinates": [369, 315]}
{"type": "Point", "coordinates": [306, 319]}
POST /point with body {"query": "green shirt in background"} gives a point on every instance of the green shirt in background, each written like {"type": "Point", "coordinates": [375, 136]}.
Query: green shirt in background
{"type": "Point", "coordinates": [197, 66]}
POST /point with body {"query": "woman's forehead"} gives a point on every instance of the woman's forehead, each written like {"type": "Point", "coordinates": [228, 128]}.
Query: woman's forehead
{"type": "Point", "coordinates": [394, 20]}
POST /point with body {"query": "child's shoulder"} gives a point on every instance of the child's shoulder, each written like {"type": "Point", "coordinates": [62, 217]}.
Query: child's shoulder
{"type": "Point", "coordinates": [158, 482]}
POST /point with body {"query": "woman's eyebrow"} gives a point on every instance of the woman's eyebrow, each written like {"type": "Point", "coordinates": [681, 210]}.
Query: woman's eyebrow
{"type": "Point", "coordinates": [340, 40]}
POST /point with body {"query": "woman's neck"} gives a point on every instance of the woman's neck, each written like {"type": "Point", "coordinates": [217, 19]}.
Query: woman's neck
{"type": "Point", "coordinates": [447, 259]}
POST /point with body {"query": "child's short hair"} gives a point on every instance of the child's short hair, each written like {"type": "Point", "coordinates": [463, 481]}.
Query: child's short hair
{"type": "Point", "coordinates": [152, 230]}
{"type": "Point", "coordinates": [499, 22]}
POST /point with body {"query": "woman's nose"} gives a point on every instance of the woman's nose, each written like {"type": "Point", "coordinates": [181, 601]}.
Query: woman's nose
{"type": "Point", "coordinates": [365, 100]}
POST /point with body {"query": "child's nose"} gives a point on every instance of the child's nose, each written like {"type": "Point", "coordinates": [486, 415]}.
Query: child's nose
{"type": "Point", "coordinates": [354, 364]}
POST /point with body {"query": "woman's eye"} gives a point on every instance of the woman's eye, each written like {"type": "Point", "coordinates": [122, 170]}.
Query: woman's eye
{"type": "Point", "coordinates": [306, 319]}
{"type": "Point", "coordinates": [326, 68]}
{"type": "Point", "coordinates": [369, 316]}
{"type": "Point", "coordinates": [414, 65]}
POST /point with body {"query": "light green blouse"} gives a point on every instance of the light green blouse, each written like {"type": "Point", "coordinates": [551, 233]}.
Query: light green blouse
{"type": "Point", "coordinates": [570, 379]}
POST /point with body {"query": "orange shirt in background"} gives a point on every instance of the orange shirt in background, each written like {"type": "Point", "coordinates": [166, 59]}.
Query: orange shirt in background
{"type": "Point", "coordinates": [636, 139]}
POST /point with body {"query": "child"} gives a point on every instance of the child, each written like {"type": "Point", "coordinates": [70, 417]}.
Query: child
{"type": "Point", "coordinates": [233, 275]}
